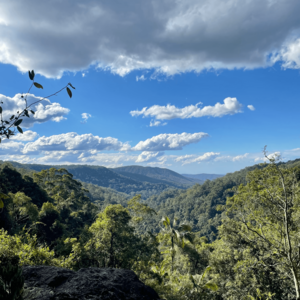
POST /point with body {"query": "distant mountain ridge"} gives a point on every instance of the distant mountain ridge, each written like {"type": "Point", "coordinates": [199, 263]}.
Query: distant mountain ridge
{"type": "Point", "coordinates": [121, 179]}
{"type": "Point", "coordinates": [157, 174]}
{"type": "Point", "coordinates": [203, 176]}
{"type": "Point", "coordinates": [131, 180]}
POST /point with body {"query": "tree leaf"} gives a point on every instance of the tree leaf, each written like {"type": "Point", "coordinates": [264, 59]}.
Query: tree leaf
{"type": "Point", "coordinates": [211, 286]}
{"type": "Point", "coordinates": [1, 204]}
{"type": "Point", "coordinates": [20, 129]}
{"type": "Point", "coordinates": [32, 112]}
{"type": "Point", "coordinates": [69, 92]}
{"type": "Point", "coordinates": [70, 84]}
{"type": "Point", "coordinates": [0, 110]}
{"type": "Point", "coordinates": [31, 75]}
{"type": "Point", "coordinates": [39, 86]}
{"type": "Point", "coordinates": [18, 122]}
{"type": "Point", "coordinates": [3, 196]}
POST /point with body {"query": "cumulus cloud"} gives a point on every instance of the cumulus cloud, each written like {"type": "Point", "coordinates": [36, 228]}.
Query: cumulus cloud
{"type": "Point", "coordinates": [157, 123]}
{"type": "Point", "coordinates": [188, 159]}
{"type": "Point", "coordinates": [110, 160]}
{"type": "Point", "coordinates": [275, 155]}
{"type": "Point", "coordinates": [235, 158]}
{"type": "Point", "coordinates": [290, 55]}
{"type": "Point", "coordinates": [140, 78]}
{"type": "Point", "coordinates": [27, 136]}
{"type": "Point", "coordinates": [148, 156]}
{"type": "Point", "coordinates": [168, 141]}
{"type": "Point", "coordinates": [44, 111]}
{"type": "Point", "coordinates": [231, 106]}
{"type": "Point", "coordinates": [23, 159]}
{"type": "Point", "coordinates": [251, 107]}
{"type": "Point", "coordinates": [168, 36]}
{"type": "Point", "coordinates": [73, 141]}
{"type": "Point", "coordinates": [85, 117]}
{"type": "Point", "coordinates": [240, 157]}
{"type": "Point", "coordinates": [11, 147]}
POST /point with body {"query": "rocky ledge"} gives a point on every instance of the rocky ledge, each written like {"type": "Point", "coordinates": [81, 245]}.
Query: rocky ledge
{"type": "Point", "coordinates": [52, 283]}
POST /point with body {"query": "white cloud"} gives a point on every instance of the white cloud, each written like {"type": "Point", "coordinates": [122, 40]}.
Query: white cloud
{"type": "Point", "coordinates": [85, 117]}
{"type": "Point", "coordinates": [11, 147]}
{"type": "Point", "coordinates": [44, 111]}
{"type": "Point", "coordinates": [236, 158]}
{"type": "Point", "coordinates": [240, 157]}
{"type": "Point", "coordinates": [274, 155]}
{"type": "Point", "coordinates": [231, 106]}
{"type": "Point", "coordinates": [148, 156]}
{"type": "Point", "coordinates": [290, 55]}
{"type": "Point", "coordinates": [27, 136]}
{"type": "Point", "coordinates": [168, 36]}
{"type": "Point", "coordinates": [140, 78]}
{"type": "Point", "coordinates": [157, 123]}
{"type": "Point", "coordinates": [251, 107]}
{"type": "Point", "coordinates": [188, 159]}
{"type": "Point", "coordinates": [257, 159]}
{"type": "Point", "coordinates": [168, 141]}
{"type": "Point", "coordinates": [74, 141]}
{"type": "Point", "coordinates": [23, 159]}
{"type": "Point", "coordinates": [110, 160]}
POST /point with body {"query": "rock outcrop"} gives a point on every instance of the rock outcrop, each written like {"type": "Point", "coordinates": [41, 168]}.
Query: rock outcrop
{"type": "Point", "coordinates": [52, 283]}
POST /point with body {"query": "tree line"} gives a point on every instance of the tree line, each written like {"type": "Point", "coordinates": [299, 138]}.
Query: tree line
{"type": "Point", "coordinates": [48, 218]}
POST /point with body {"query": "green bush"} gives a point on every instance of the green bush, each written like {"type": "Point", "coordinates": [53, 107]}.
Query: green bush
{"type": "Point", "coordinates": [11, 279]}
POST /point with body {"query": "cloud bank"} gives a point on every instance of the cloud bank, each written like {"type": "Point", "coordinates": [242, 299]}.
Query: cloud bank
{"type": "Point", "coordinates": [44, 111]}
{"type": "Point", "coordinates": [73, 141]}
{"type": "Point", "coordinates": [231, 106]}
{"type": "Point", "coordinates": [168, 36]}
{"type": "Point", "coordinates": [168, 141]}
{"type": "Point", "coordinates": [188, 159]}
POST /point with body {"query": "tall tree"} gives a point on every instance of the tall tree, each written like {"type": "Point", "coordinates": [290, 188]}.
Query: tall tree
{"type": "Point", "coordinates": [112, 237]}
{"type": "Point", "coordinates": [265, 214]}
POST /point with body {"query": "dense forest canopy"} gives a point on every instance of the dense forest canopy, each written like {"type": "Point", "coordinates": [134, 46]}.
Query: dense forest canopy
{"type": "Point", "coordinates": [235, 237]}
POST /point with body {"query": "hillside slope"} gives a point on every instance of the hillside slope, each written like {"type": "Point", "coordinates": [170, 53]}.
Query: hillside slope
{"type": "Point", "coordinates": [197, 205]}
{"type": "Point", "coordinates": [105, 177]}
{"type": "Point", "coordinates": [157, 174]}
{"type": "Point", "coordinates": [202, 176]}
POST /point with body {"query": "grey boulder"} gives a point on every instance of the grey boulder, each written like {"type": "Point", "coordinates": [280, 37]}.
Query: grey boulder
{"type": "Point", "coordinates": [52, 283]}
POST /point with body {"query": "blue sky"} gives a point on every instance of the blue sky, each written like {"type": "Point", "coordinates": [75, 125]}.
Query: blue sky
{"type": "Point", "coordinates": [193, 87]}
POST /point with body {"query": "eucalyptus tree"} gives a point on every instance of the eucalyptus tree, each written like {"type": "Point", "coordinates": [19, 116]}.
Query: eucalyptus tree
{"type": "Point", "coordinates": [264, 223]}
{"type": "Point", "coordinates": [112, 237]}
{"type": "Point", "coordinates": [138, 210]}
{"type": "Point", "coordinates": [22, 210]}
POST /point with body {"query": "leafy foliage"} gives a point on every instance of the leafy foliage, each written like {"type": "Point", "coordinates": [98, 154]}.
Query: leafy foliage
{"type": "Point", "coordinates": [9, 126]}
{"type": "Point", "coordinates": [11, 280]}
{"type": "Point", "coordinates": [245, 247]}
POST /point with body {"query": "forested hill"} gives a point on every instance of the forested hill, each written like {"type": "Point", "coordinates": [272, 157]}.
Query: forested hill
{"type": "Point", "coordinates": [101, 176]}
{"type": "Point", "coordinates": [202, 176]}
{"type": "Point", "coordinates": [198, 204]}
{"type": "Point", "coordinates": [156, 175]}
